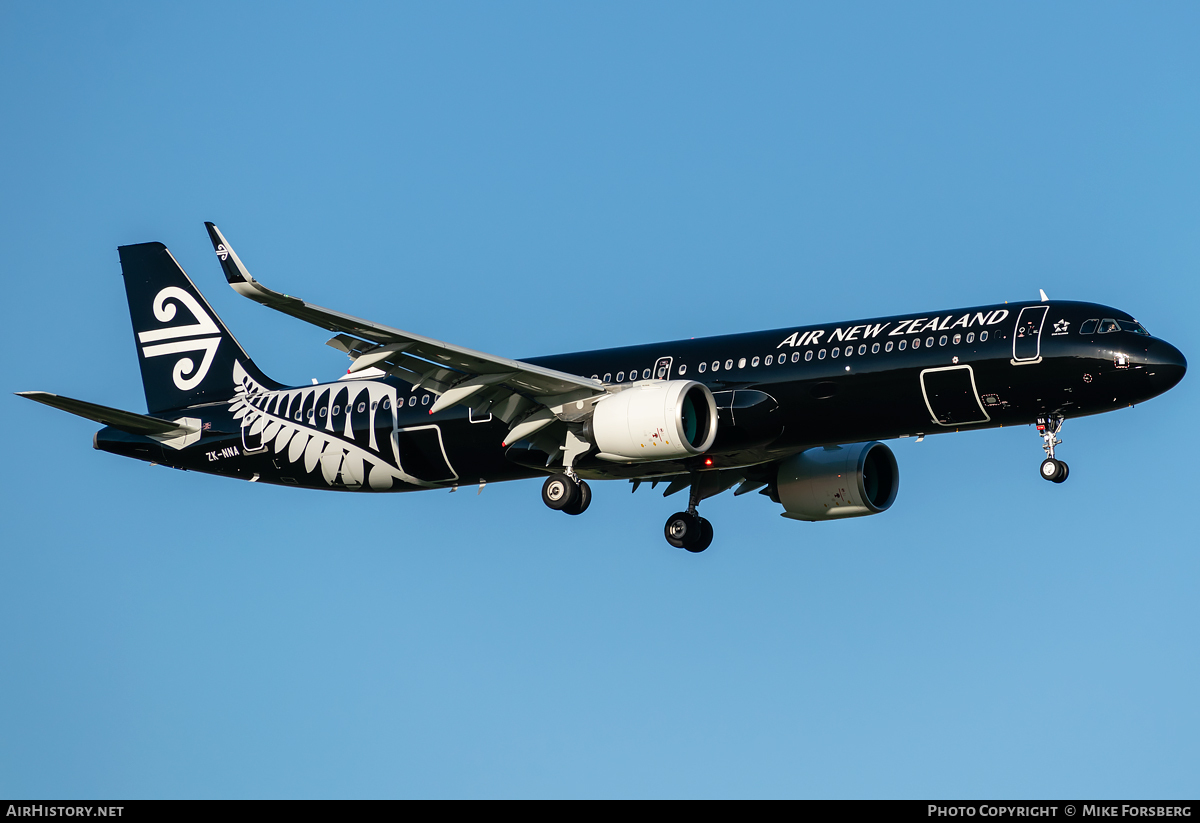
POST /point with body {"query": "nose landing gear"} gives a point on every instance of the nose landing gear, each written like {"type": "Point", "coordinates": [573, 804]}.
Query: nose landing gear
{"type": "Point", "coordinates": [1052, 469]}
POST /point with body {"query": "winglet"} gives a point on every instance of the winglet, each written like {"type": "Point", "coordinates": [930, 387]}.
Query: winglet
{"type": "Point", "coordinates": [231, 264]}
{"type": "Point", "coordinates": [239, 276]}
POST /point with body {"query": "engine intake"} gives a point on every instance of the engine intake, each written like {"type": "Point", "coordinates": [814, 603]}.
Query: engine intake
{"type": "Point", "coordinates": [656, 421]}
{"type": "Point", "coordinates": [842, 481]}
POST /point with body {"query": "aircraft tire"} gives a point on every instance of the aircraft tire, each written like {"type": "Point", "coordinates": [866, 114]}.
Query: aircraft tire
{"type": "Point", "coordinates": [1050, 470]}
{"type": "Point", "coordinates": [582, 501]}
{"type": "Point", "coordinates": [1063, 471]}
{"type": "Point", "coordinates": [683, 530]}
{"type": "Point", "coordinates": [705, 537]}
{"type": "Point", "coordinates": [559, 491]}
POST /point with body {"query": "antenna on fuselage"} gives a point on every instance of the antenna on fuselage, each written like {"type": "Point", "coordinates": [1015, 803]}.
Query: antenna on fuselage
{"type": "Point", "coordinates": [1042, 292]}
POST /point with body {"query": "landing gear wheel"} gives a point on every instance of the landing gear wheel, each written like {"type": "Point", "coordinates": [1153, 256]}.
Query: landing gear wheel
{"type": "Point", "coordinates": [1055, 471]}
{"type": "Point", "coordinates": [559, 491]}
{"type": "Point", "coordinates": [1050, 470]}
{"type": "Point", "coordinates": [705, 537]}
{"type": "Point", "coordinates": [685, 530]}
{"type": "Point", "coordinates": [582, 501]}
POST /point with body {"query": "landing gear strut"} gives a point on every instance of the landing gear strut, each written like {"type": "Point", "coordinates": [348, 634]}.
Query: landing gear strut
{"type": "Point", "coordinates": [687, 529]}
{"type": "Point", "coordinates": [564, 493]}
{"type": "Point", "coordinates": [1052, 469]}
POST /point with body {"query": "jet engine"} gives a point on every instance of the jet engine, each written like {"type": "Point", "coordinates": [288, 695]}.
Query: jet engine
{"type": "Point", "coordinates": [838, 481]}
{"type": "Point", "coordinates": [656, 421]}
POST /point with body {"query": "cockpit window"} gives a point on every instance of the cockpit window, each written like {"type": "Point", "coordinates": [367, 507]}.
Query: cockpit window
{"type": "Point", "coordinates": [1107, 325]}
{"type": "Point", "coordinates": [1133, 326]}
{"type": "Point", "coordinates": [1088, 327]}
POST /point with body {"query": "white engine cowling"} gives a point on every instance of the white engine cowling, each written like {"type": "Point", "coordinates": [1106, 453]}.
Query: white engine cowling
{"type": "Point", "coordinates": [656, 421]}
{"type": "Point", "coordinates": [843, 481]}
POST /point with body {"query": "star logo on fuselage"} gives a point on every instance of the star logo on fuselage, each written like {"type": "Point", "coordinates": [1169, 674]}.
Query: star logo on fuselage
{"type": "Point", "coordinates": [1061, 327]}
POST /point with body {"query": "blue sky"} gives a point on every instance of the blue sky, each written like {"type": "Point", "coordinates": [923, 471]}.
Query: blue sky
{"type": "Point", "coordinates": [532, 178]}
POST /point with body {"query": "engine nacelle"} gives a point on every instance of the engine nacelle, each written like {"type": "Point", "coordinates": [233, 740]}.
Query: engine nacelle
{"type": "Point", "coordinates": [843, 481]}
{"type": "Point", "coordinates": [656, 421]}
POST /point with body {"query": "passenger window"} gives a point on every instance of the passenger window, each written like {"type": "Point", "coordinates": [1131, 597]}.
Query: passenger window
{"type": "Point", "coordinates": [425, 400]}
{"type": "Point", "coordinates": [374, 406]}
{"type": "Point", "coordinates": [702, 367]}
{"type": "Point", "coordinates": [917, 343]}
{"type": "Point", "coordinates": [888, 347]}
{"type": "Point", "coordinates": [808, 355]}
{"type": "Point", "coordinates": [608, 377]}
{"type": "Point", "coordinates": [1107, 325]}
{"type": "Point", "coordinates": [942, 340]}
{"type": "Point", "coordinates": [875, 349]}
{"type": "Point", "coordinates": [957, 339]}
{"type": "Point", "coordinates": [387, 402]}
{"type": "Point", "coordinates": [728, 365]}
{"type": "Point", "coordinates": [754, 363]}
{"type": "Point", "coordinates": [982, 336]}
{"type": "Point", "coordinates": [768, 361]}
{"type": "Point", "coordinates": [337, 410]}
{"type": "Point", "coordinates": [929, 341]}
{"type": "Point", "coordinates": [742, 363]}
{"type": "Point", "coordinates": [412, 401]}
{"type": "Point", "coordinates": [821, 354]}
{"type": "Point", "coordinates": [620, 376]}
{"type": "Point", "coordinates": [834, 352]}
{"type": "Point", "coordinates": [849, 350]}
{"type": "Point", "coordinates": [795, 357]}
{"type": "Point", "coordinates": [682, 370]}
{"type": "Point", "coordinates": [1089, 326]}
{"type": "Point", "coordinates": [323, 412]}
{"type": "Point", "coordinates": [645, 374]}
{"type": "Point", "coordinates": [633, 374]}
{"type": "Point", "coordinates": [863, 348]}
{"type": "Point", "coordinates": [971, 337]}
{"type": "Point", "coordinates": [904, 344]}
{"type": "Point", "coordinates": [716, 365]}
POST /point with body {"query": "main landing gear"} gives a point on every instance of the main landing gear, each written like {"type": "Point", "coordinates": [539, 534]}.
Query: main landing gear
{"type": "Point", "coordinates": [687, 529]}
{"type": "Point", "coordinates": [564, 493]}
{"type": "Point", "coordinates": [1052, 469]}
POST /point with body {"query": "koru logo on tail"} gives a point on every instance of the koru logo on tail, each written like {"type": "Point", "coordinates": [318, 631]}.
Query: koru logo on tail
{"type": "Point", "coordinates": [222, 252]}
{"type": "Point", "coordinates": [186, 374]}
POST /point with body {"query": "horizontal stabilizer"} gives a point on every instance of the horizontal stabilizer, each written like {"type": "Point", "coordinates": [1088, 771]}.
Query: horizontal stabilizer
{"type": "Point", "coordinates": [125, 421]}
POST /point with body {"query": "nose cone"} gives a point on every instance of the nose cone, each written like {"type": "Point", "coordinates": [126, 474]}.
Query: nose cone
{"type": "Point", "coordinates": [1165, 367]}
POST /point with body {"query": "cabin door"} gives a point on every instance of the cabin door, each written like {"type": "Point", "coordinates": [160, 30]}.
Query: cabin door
{"type": "Point", "coordinates": [951, 397]}
{"type": "Point", "coordinates": [1027, 338]}
{"type": "Point", "coordinates": [422, 454]}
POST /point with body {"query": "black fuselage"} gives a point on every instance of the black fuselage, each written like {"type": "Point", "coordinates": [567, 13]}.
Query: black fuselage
{"type": "Point", "coordinates": [778, 392]}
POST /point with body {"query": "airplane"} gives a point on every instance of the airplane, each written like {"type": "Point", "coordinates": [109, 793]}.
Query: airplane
{"type": "Point", "coordinates": [798, 414]}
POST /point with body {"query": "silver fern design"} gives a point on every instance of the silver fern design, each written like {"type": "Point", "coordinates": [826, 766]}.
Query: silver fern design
{"type": "Point", "coordinates": [346, 431]}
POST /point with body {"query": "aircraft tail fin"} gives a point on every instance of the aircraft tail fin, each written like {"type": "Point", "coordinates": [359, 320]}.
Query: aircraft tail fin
{"type": "Point", "coordinates": [187, 357]}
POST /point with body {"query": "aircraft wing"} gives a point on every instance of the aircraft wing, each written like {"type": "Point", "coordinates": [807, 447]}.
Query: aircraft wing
{"type": "Point", "coordinates": [509, 389]}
